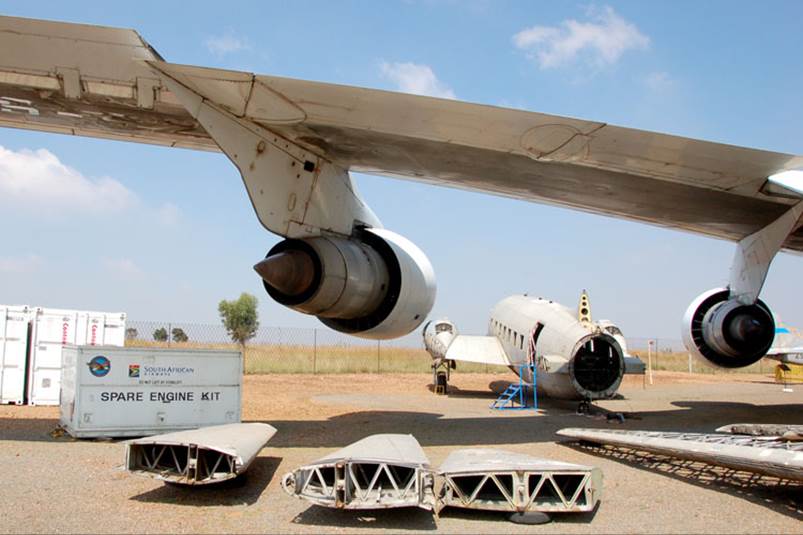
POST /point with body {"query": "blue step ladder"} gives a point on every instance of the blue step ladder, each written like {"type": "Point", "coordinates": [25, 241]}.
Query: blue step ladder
{"type": "Point", "coordinates": [507, 400]}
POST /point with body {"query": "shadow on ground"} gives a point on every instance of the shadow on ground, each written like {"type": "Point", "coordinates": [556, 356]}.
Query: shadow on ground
{"type": "Point", "coordinates": [524, 427]}
{"type": "Point", "coordinates": [457, 392]}
{"type": "Point", "coordinates": [493, 427]}
{"type": "Point", "coordinates": [501, 516]}
{"type": "Point", "coordinates": [243, 490]}
{"type": "Point", "coordinates": [402, 519]}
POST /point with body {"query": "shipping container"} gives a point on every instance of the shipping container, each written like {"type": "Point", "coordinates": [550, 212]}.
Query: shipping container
{"type": "Point", "coordinates": [123, 392]}
{"type": "Point", "coordinates": [54, 328]}
{"type": "Point", "coordinates": [15, 322]}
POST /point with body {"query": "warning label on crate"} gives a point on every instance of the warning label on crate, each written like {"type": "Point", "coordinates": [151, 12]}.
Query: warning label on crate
{"type": "Point", "coordinates": [160, 375]}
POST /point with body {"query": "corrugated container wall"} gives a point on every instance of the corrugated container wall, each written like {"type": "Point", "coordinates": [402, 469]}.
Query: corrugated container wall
{"type": "Point", "coordinates": [133, 391]}
{"type": "Point", "coordinates": [15, 324]}
{"type": "Point", "coordinates": [54, 328]}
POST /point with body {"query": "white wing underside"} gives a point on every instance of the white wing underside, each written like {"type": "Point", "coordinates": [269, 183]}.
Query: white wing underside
{"type": "Point", "coordinates": [481, 349]}
{"type": "Point", "coordinates": [780, 351]}
{"type": "Point", "coordinates": [109, 83]}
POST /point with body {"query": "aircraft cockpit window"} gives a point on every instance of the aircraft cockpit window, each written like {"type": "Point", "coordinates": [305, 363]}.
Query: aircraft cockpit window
{"type": "Point", "coordinates": [612, 330]}
{"type": "Point", "coordinates": [443, 327]}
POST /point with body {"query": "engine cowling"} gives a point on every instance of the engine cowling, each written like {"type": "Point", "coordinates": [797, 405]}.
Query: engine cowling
{"type": "Point", "coordinates": [378, 285]}
{"type": "Point", "coordinates": [725, 333]}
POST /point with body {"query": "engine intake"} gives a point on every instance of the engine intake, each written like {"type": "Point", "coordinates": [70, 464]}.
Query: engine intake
{"type": "Point", "coordinates": [723, 332]}
{"type": "Point", "coordinates": [378, 285]}
{"type": "Point", "coordinates": [597, 368]}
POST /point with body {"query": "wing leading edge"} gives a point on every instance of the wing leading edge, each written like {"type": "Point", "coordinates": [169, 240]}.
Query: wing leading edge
{"type": "Point", "coordinates": [108, 82]}
{"type": "Point", "coordinates": [481, 349]}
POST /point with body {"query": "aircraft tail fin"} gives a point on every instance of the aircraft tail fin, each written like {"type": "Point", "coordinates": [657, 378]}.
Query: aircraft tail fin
{"type": "Point", "coordinates": [584, 309]}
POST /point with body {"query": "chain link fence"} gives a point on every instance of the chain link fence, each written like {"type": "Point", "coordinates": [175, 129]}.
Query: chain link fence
{"type": "Point", "coordinates": [669, 354]}
{"type": "Point", "coordinates": [307, 350]}
{"type": "Point", "coordinates": [292, 349]}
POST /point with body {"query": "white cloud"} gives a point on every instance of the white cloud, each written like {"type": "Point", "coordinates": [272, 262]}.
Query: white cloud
{"type": "Point", "coordinates": [123, 268]}
{"type": "Point", "coordinates": [416, 79]}
{"type": "Point", "coordinates": [20, 264]}
{"type": "Point", "coordinates": [604, 40]}
{"type": "Point", "coordinates": [226, 44]}
{"type": "Point", "coordinates": [37, 178]}
{"type": "Point", "coordinates": [658, 81]}
{"type": "Point", "coordinates": [168, 214]}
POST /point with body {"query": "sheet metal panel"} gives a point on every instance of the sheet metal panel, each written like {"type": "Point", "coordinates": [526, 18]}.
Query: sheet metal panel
{"type": "Point", "coordinates": [499, 480]}
{"type": "Point", "coordinates": [768, 456]}
{"type": "Point", "coordinates": [198, 457]}
{"type": "Point", "coordinates": [377, 472]}
{"type": "Point", "coordinates": [14, 331]}
{"type": "Point", "coordinates": [54, 328]}
{"type": "Point", "coordinates": [114, 392]}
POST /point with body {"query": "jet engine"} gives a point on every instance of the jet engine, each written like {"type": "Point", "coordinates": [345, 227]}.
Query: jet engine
{"type": "Point", "coordinates": [377, 285]}
{"type": "Point", "coordinates": [723, 332]}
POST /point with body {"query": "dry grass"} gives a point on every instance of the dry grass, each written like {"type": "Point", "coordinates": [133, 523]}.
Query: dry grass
{"type": "Point", "coordinates": [679, 362]}
{"type": "Point", "coordinates": [287, 358]}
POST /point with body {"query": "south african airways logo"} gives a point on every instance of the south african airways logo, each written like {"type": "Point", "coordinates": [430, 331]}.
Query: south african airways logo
{"type": "Point", "coordinates": [133, 370]}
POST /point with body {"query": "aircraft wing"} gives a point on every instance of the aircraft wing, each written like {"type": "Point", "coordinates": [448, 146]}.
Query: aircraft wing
{"type": "Point", "coordinates": [784, 350]}
{"type": "Point", "coordinates": [482, 349]}
{"type": "Point", "coordinates": [110, 83]}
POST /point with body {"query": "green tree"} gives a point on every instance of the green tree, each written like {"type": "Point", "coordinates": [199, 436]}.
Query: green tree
{"type": "Point", "coordinates": [179, 335]}
{"type": "Point", "coordinates": [160, 334]}
{"type": "Point", "coordinates": [240, 317]}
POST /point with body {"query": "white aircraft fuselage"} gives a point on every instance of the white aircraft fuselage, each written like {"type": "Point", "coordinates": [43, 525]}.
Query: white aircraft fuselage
{"type": "Point", "coordinates": [572, 356]}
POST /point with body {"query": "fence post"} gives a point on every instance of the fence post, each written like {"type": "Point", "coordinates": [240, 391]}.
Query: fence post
{"type": "Point", "coordinates": [656, 353]}
{"type": "Point", "coordinates": [169, 333]}
{"type": "Point", "coordinates": [314, 351]}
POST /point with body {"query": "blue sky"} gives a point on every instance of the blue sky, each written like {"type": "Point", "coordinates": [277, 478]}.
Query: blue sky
{"type": "Point", "coordinates": [164, 234]}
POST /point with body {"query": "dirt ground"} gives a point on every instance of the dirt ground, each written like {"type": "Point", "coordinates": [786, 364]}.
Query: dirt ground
{"type": "Point", "coordinates": [62, 485]}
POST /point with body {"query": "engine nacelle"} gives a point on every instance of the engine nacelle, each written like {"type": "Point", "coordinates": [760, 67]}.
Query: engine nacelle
{"type": "Point", "coordinates": [378, 285]}
{"type": "Point", "coordinates": [725, 333]}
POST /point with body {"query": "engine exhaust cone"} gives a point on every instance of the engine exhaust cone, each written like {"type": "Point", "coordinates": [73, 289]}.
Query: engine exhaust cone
{"type": "Point", "coordinates": [291, 272]}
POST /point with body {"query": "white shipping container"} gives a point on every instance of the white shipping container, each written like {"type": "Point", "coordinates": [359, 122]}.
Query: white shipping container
{"type": "Point", "coordinates": [54, 328]}
{"type": "Point", "coordinates": [14, 330]}
{"type": "Point", "coordinates": [119, 392]}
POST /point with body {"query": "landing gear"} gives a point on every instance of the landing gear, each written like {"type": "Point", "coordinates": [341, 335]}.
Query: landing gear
{"type": "Point", "coordinates": [440, 376]}
{"type": "Point", "coordinates": [584, 407]}
{"type": "Point", "coordinates": [441, 383]}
